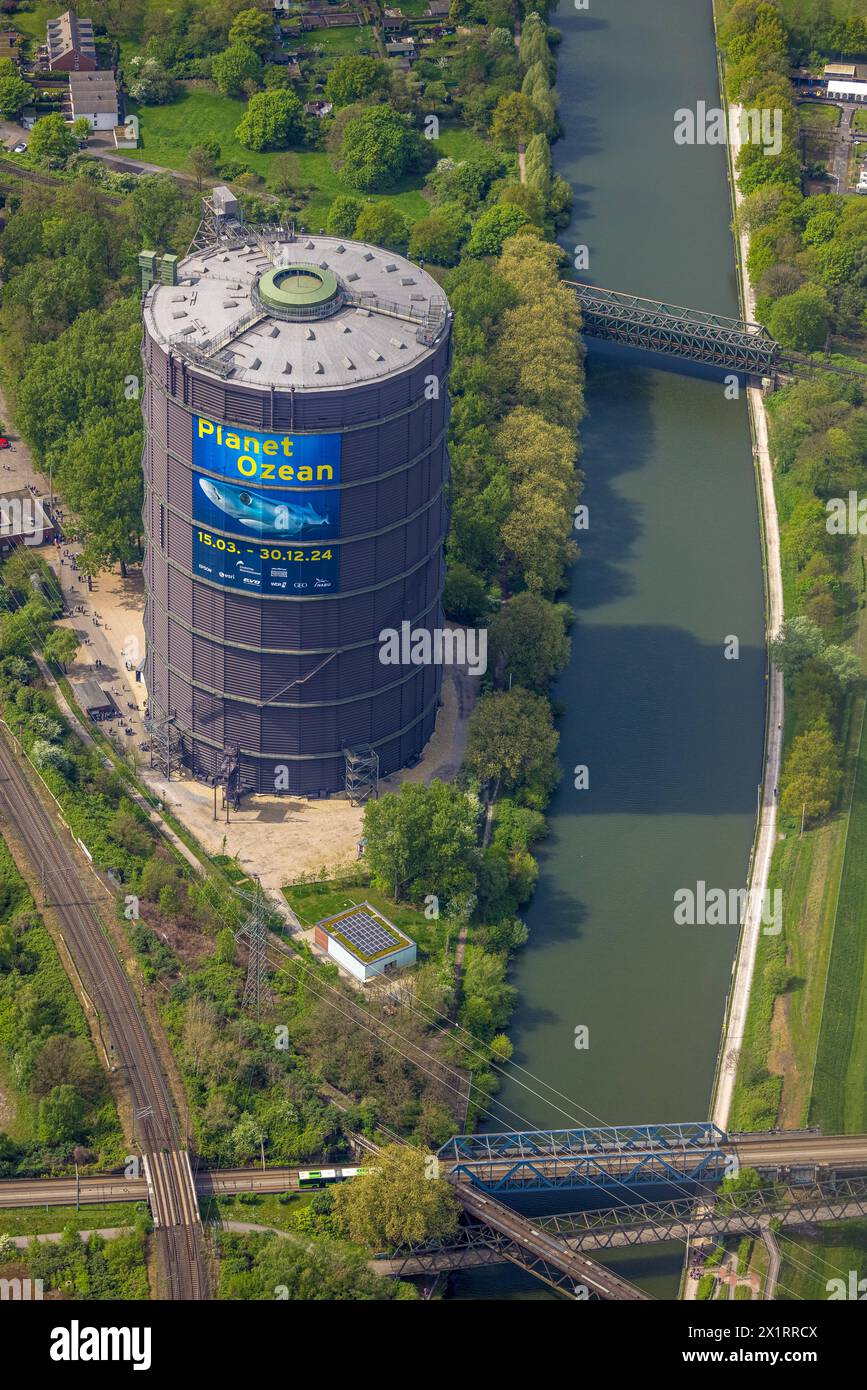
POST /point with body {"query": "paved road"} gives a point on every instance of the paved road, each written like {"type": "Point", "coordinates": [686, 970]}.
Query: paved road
{"type": "Point", "coordinates": [127, 1045]}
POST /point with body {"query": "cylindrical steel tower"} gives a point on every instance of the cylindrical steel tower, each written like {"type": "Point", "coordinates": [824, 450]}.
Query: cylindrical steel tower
{"type": "Point", "coordinates": [295, 469]}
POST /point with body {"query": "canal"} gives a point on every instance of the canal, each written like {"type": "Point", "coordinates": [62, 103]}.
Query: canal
{"type": "Point", "coordinates": [670, 730]}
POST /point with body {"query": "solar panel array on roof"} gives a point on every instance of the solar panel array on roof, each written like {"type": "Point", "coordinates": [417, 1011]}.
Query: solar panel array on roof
{"type": "Point", "coordinates": [366, 933]}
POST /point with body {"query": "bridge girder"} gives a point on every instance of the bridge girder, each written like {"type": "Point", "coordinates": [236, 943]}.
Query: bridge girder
{"type": "Point", "coordinates": [696, 335]}
{"type": "Point", "coordinates": [647, 1223]}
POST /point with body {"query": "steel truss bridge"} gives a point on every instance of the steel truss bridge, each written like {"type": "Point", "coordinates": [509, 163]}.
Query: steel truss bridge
{"type": "Point", "coordinates": [656, 326]}
{"type": "Point", "coordinates": [636, 1155]}
{"type": "Point", "coordinates": [690, 1220]}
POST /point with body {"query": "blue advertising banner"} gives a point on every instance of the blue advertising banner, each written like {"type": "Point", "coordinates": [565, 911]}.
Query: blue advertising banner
{"type": "Point", "coordinates": [268, 460]}
{"type": "Point", "coordinates": [267, 514]}
{"type": "Point", "coordinates": [265, 569]}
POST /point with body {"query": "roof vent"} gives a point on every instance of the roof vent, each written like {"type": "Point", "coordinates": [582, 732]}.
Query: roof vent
{"type": "Point", "coordinates": [346, 328]}
{"type": "Point", "coordinates": [368, 255]}
{"type": "Point", "coordinates": [309, 246]}
{"type": "Point", "coordinates": [323, 265]}
{"type": "Point", "coordinates": [377, 356]}
{"type": "Point", "coordinates": [230, 303]}
{"type": "Point", "coordinates": [255, 364]}
{"type": "Point", "coordinates": [365, 313]}
{"type": "Point", "coordinates": [391, 266]}
{"type": "Point", "coordinates": [287, 368]}
{"type": "Point", "coordinates": [340, 249]}
{"type": "Point", "coordinates": [275, 331]}
{"type": "Point", "coordinates": [353, 275]}
{"type": "Point", "coordinates": [180, 314]}
{"type": "Point", "coordinates": [348, 363]}
{"type": "Point", "coordinates": [318, 369]}
{"type": "Point", "coordinates": [397, 342]}
{"type": "Point", "coordinates": [309, 334]}
{"type": "Point", "coordinates": [407, 280]}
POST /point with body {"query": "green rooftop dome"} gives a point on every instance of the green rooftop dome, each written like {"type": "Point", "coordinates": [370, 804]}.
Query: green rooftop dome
{"type": "Point", "coordinates": [297, 287]}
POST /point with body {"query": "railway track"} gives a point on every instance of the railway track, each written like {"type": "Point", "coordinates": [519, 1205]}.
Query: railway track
{"type": "Point", "coordinates": [126, 1042]}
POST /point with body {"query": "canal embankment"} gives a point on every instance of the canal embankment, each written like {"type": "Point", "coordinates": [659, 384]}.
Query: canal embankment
{"type": "Point", "coordinates": [766, 828]}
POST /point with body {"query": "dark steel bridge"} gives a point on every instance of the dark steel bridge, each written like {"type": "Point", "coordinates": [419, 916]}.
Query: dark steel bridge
{"type": "Point", "coordinates": [655, 326]}
{"type": "Point", "coordinates": [688, 1220]}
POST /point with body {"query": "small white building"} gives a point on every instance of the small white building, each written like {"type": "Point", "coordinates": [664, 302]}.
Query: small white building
{"type": "Point", "coordinates": [848, 89]}
{"type": "Point", "coordinates": [363, 942]}
{"type": "Point", "coordinates": [94, 96]}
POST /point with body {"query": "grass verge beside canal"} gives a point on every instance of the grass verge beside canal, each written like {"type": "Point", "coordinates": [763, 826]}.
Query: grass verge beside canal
{"type": "Point", "coordinates": [805, 1050]}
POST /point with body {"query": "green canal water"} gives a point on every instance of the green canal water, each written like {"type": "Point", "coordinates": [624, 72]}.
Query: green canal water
{"type": "Point", "coordinates": [670, 730]}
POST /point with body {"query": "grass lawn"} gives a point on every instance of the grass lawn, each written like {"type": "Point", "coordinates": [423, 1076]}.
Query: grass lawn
{"type": "Point", "coordinates": [337, 42]}
{"type": "Point", "coordinates": [839, 1101]}
{"type": "Point", "coordinates": [809, 1261]}
{"type": "Point", "coordinates": [33, 1221]}
{"type": "Point", "coordinates": [813, 113]}
{"type": "Point", "coordinates": [313, 901]}
{"type": "Point", "coordinates": [860, 121]}
{"type": "Point", "coordinates": [279, 1209]}
{"type": "Point", "coordinates": [168, 132]}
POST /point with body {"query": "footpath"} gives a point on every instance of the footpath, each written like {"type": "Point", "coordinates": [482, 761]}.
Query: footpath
{"type": "Point", "coordinates": [766, 837]}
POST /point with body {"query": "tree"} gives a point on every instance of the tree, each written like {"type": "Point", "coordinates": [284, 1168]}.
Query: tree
{"type": "Point", "coordinates": [495, 226]}
{"type": "Point", "coordinates": [397, 1202]}
{"type": "Point", "coordinates": [343, 215]}
{"type": "Point", "coordinates": [534, 41]}
{"type": "Point", "coordinates": [437, 239]}
{"type": "Point", "coordinates": [81, 130]}
{"type": "Point", "coordinates": [65, 1061]}
{"type": "Point", "coordinates": [234, 66]}
{"type": "Point", "coordinates": [51, 140]}
{"type": "Point", "coordinates": [422, 840]}
{"type": "Point", "coordinates": [272, 121]}
{"type": "Point", "coordinates": [843, 663]}
{"type": "Point", "coordinates": [798, 641]}
{"type": "Point", "coordinates": [465, 598]}
{"type": "Point", "coordinates": [382, 224]}
{"type": "Point", "coordinates": [61, 1116]}
{"type": "Point", "coordinates": [800, 321]}
{"type": "Point", "coordinates": [378, 147]}
{"type": "Point", "coordinates": [201, 164]}
{"type": "Point", "coordinates": [15, 94]}
{"type": "Point", "coordinates": [60, 646]}
{"type": "Point", "coordinates": [149, 82]}
{"type": "Point", "coordinates": [528, 642]}
{"type": "Point", "coordinates": [812, 774]}
{"type": "Point", "coordinates": [158, 202]}
{"type": "Point", "coordinates": [512, 743]}
{"type": "Point", "coordinates": [514, 120]}
{"type": "Point", "coordinates": [356, 78]}
{"type": "Point", "coordinates": [253, 28]}
{"type": "Point", "coordinates": [99, 469]}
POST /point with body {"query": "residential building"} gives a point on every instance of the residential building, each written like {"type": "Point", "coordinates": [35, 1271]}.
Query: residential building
{"type": "Point", "coordinates": [94, 96]}
{"type": "Point", "coordinates": [70, 45]}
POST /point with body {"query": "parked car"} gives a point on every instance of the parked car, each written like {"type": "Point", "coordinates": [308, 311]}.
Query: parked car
{"type": "Point", "coordinates": [20, 147]}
